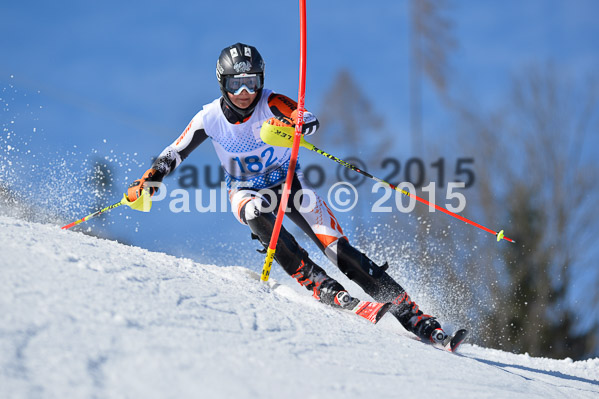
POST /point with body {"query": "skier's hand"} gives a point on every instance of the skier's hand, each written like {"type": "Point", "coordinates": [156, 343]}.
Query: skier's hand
{"type": "Point", "coordinates": [282, 121]}
{"type": "Point", "coordinates": [136, 188]}
{"type": "Point", "coordinates": [310, 122]}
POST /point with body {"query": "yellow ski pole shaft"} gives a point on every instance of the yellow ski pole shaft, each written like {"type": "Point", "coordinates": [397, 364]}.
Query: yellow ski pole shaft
{"type": "Point", "coordinates": [92, 215]}
{"type": "Point", "coordinates": [281, 136]}
{"type": "Point", "coordinates": [143, 203]}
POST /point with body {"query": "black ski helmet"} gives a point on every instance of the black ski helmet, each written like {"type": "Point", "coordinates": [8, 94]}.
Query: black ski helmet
{"type": "Point", "coordinates": [235, 60]}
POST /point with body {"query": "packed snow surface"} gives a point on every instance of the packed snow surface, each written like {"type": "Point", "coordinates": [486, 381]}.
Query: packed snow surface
{"type": "Point", "coordinates": [82, 317]}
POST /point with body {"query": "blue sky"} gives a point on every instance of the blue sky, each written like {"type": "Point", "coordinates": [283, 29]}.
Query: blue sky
{"type": "Point", "coordinates": [124, 78]}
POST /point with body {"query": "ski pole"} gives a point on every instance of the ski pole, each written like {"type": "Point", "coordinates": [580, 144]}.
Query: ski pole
{"type": "Point", "coordinates": [281, 136]}
{"type": "Point", "coordinates": [294, 144]}
{"type": "Point", "coordinates": [143, 203]}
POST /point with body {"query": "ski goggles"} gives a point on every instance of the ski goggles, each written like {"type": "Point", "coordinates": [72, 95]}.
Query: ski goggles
{"type": "Point", "coordinates": [237, 83]}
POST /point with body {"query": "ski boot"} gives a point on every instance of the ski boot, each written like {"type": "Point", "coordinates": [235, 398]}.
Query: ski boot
{"type": "Point", "coordinates": [438, 337]}
{"type": "Point", "coordinates": [424, 326]}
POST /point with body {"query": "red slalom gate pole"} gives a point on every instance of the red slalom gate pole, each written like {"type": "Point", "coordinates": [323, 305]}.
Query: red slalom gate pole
{"type": "Point", "coordinates": [270, 252]}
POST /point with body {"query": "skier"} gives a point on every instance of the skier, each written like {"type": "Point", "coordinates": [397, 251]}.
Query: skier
{"type": "Point", "coordinates": [251, 166]}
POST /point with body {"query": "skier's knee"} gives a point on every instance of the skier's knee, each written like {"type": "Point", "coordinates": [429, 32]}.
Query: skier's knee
{"type": "Point", "coordinates": [253, 209]}
{"type": "Point", "coordinates": [288, 252]}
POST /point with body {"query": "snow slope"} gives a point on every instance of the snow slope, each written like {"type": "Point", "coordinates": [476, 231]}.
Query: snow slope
{"type": "Point", "coordinates": [82, 317]}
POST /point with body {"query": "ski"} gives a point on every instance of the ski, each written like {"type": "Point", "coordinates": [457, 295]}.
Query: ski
{"type": "Point", "coordinates": [371, 311]}
{"type": "Point", "coordinates": [453, 342]}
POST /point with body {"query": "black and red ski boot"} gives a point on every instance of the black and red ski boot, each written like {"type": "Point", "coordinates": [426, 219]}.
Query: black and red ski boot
{"type": "Point", "coordinates": [412, 318]}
